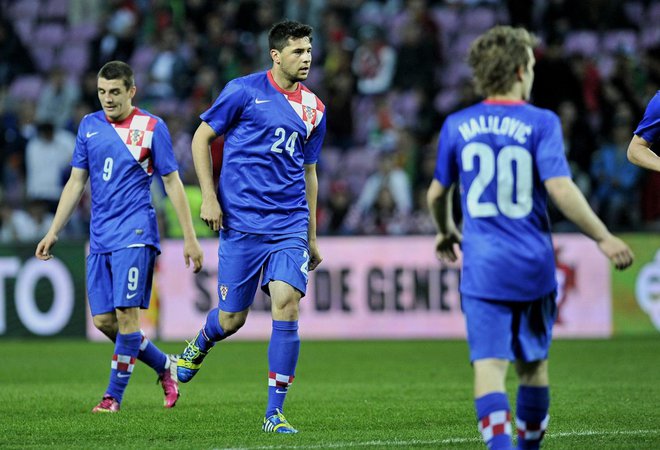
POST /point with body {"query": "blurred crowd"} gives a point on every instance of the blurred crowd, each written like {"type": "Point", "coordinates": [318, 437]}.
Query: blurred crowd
{"type": "Point", "coordinates": [388, 71]}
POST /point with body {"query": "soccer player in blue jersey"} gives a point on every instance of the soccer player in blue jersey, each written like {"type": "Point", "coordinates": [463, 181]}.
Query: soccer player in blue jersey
{"type": "Point", "coordinates": [266, 213]}
{"type": "Point", "coordinates": [119, 149]}
{"type": "Point", "coordinates": [640, 149]}
{"type": "Point", "coordinates": [506, 156]}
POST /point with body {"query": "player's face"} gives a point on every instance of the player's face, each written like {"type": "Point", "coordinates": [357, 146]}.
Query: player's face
{"type": "Point", "coordinates": [296, 59]}
{"type": "Point", "coordinates": [528, 76]}
{"type": "Point", "coordinates": [115, 99]}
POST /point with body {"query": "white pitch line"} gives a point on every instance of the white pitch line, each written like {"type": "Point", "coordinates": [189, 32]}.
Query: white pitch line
{"type": "Point", "coordinates": [449, 441]}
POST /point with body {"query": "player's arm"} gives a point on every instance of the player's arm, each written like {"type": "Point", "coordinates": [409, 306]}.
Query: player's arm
{"type": "Point", "coordinates": [210, 213]}
{"type": "Point", "coordinates": [73, 190]}
{"type": "Point", "coordinates": [176, 193]}
{"type": "Point", "coordinates": [570, 201]}
{"type": "Point", "coordinates": [311, 193]}
{"type": "Point", "coordinates": [439, 200]}
{"type": "Point", "coordinates": [640, 154]}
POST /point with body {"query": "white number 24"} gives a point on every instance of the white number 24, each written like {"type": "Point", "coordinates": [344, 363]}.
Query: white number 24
{"type": "Point", "coordinates": [501, 169]}
{"type": "Point", "coordinates": [290, 145]}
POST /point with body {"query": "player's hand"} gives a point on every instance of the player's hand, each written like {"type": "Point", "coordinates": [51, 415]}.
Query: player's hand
{"type": "Point", "coordinates": [44, 246]}
{"type": "Point", "coordinates": [192, 250]}
{"type": "Point", "coordinates": [617, 251]}
{"type": "Point", "coordinates": [445, 248]}
{"type": "Point", "coordinates": [211, 213]}
{"type": "Point", "coordinates": [315, 257]}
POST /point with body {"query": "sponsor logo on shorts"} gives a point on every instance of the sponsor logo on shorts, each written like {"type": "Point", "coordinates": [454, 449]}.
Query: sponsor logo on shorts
{"type": "Point", "coordinates": [223, 291]}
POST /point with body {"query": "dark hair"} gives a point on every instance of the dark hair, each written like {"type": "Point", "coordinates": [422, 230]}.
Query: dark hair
{"type": "Point", "coordinates": [496, 55]}
{"type": "Point", "coordinates": [117, 70]}
{"type": "Point", "coordinates": [280, 33]}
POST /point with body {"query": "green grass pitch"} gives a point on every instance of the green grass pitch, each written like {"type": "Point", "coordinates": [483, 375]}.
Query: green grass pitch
{"type": "Point", "coordinates": [381, 394]}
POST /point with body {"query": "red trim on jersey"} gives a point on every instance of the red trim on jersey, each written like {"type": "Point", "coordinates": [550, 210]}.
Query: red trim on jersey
{"type": "Point", "coordinates": [129, 117]}
{"type": "Point", "coordinates": [279, 89]}
{"type": "Point", "coordinates": [504, 102]}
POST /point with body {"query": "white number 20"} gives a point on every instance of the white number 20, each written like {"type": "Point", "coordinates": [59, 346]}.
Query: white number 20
{"type": "Point", "coordinates": [502, 170]}
{"type": "Point", "coordinates": [290, 145]}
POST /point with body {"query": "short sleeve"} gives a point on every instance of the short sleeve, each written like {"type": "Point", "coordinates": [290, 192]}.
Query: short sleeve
{"type": "Point", "coordinates": [227, 108]}
{"type": "Point", "coordinates": [550, 156]}
{"type": "Point", "coordinates": [649, 128]}
{"type": "Point", "coordinates": [446, 169]}
{"type": "Point", "coordinates": [79, 158]}
{"type": "Point", "coordinates": [161, 150]}
{"type": "Point", "coordinates": [314, 144]}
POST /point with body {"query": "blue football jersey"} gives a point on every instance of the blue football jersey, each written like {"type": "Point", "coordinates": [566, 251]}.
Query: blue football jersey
{"type": "Point", "coordinates": [269, 134]}
{"type": "Point", "coordinates": [649, 127]}
{"type": "Point", "coordinates": [500, 153]}
{"type": "Point", "coordinates": [121, 157]}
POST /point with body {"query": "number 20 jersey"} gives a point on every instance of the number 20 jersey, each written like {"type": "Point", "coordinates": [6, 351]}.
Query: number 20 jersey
{"type": "Point", "coordinates": [500, 153]}
{"type": "Point", "coordinates": [121, 158]}
{"type": "Point", "coordinates": [269, 135]}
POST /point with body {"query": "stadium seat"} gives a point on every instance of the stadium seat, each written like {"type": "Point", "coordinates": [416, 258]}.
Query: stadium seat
{"type": "Point", "coordinates": [74, 59]}
{"type": "Point", "coordinates": [26, 87]}
{"type": "Point", "coordinates": [614, 41]}
{"type": "Point", "coordinates": [581, 42]}
{"type": "Point", "coordinates": [49, 35]}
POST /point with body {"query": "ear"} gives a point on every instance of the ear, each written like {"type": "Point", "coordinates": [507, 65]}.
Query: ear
{"type": "Point", "coordinates": [275, 55]}
{"type": "Point", "coordinates": [520, 72]}
{"type": "Point", "coordinates": [132, 91]}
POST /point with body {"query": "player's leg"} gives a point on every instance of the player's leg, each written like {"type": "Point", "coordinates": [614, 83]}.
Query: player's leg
{"type": "Point", "coordinates": [239, 263]}
{"type": "Point", "coordinates": [131, 273]}
{"type": "Point", "coordinates": [164, 365]}
{"type": "Point", "coordinates": [489, 326]}
{"type": "Point", "coordinates": [533, 400]}
{"type": "Point", "coordinates": [286, 274]}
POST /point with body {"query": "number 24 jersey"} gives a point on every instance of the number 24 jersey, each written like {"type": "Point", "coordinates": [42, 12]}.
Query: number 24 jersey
{"type": "Point", "coordinates": [269, 134]}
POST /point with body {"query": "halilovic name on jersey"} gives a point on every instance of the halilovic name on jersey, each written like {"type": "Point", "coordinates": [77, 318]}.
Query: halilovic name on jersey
{"type": "Point", "coordinates": [649, 128]}
{"type": "Point", "coordinates": [501, 153]}
{"type": "Point", "coordinates": [121, 158]}
{"type": "Point", "coordinates": [269, 134]}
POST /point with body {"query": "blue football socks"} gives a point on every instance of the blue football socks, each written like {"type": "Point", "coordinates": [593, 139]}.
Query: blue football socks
{"type": "Point", "coordinates": [283, 353]}
{"type": "Point", "coordinates": [127, 348]}
{"type": "Point", "coordinates": [532, 406]}
{"type": "Point", "coordinates": [494, 420]}
{"type": "Point", "coordinates": [211, 333]}
{"type": "Point", "coordinates": [152, 355]}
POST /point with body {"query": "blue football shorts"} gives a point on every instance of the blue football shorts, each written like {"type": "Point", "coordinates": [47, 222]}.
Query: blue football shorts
{"type": "Point", "coordinates": [510, 330]}
{"type": "Point", "coordinates": [121, 279]}
{"type": "Point", "coordinates": [244, 257]}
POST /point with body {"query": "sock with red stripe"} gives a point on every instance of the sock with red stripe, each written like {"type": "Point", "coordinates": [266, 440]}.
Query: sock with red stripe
{"type": "Point", "coordinates": [127, 348]}
{"type": "Point", "coordinates": [152, 355]}
{"type": "Point", "coordinates": [494, 420]}
{"type": "Point", "coordinates": [283, 353]}
{"type": "Point", "coordinates": [211, 333]}
{"type": "Point", "coordinates": [532, 417]}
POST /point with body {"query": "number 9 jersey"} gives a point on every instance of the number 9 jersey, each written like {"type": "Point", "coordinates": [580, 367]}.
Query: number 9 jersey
{"type": "Point", "coordinates": [120, 158]}
{"type": "Point", "coordinates": [500, 153]}
{"type": "Point", "coordinates": [270, 134]}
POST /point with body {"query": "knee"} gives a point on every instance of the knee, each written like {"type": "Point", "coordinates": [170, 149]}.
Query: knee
{"type": "Point", "coordinates": [106, 325]}
{"type": "Point", "coordinates": [231, 323]}
{"type": "Point", "coordinates": [286, 310]}
{"type": "Point", "coordinates": [533, 373]}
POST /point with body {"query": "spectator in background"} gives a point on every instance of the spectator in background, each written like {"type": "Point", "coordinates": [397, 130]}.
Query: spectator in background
{"type": "Point", "coordinates": [57, 99]}
{"type": "Point", "coordinates": [47, 158]}
{"type": "Point", "coordinates": [168, 73]}
{"type": "Point", "coordinates": [616, 181]}
{"type": "Point", "coordinates": [118, 40]}
{"type": "Point", "coordinates": [14, 57]}
{"type": "Point", "coordinates": [386, 195]}
{"type": "Point", "coordinates": [25, 225]}
{"type": "Point", "coordinates": [374, 62]}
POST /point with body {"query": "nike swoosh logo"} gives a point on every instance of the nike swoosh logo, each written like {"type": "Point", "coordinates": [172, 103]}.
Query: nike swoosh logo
{"type": "Point", "coordinates": [259, 102]}
{"type": "Point", "coordinates": [123, 375]}
{"type": "Point", "coordinates": [89, 135]}
{"type": "Point", "coordinates": [277, 391]}
{"type": "Point", "coordinates": [130, 296]}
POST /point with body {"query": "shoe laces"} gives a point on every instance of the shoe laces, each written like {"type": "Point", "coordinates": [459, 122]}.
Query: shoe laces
{"type": "Point", "coordinates": [191, 352]}
{"type": "Point", "coordinates": [106, 402]}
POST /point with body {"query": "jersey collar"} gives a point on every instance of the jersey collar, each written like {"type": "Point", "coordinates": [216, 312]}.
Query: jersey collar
{"type": "Point", "coordinates": [272, 82]}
